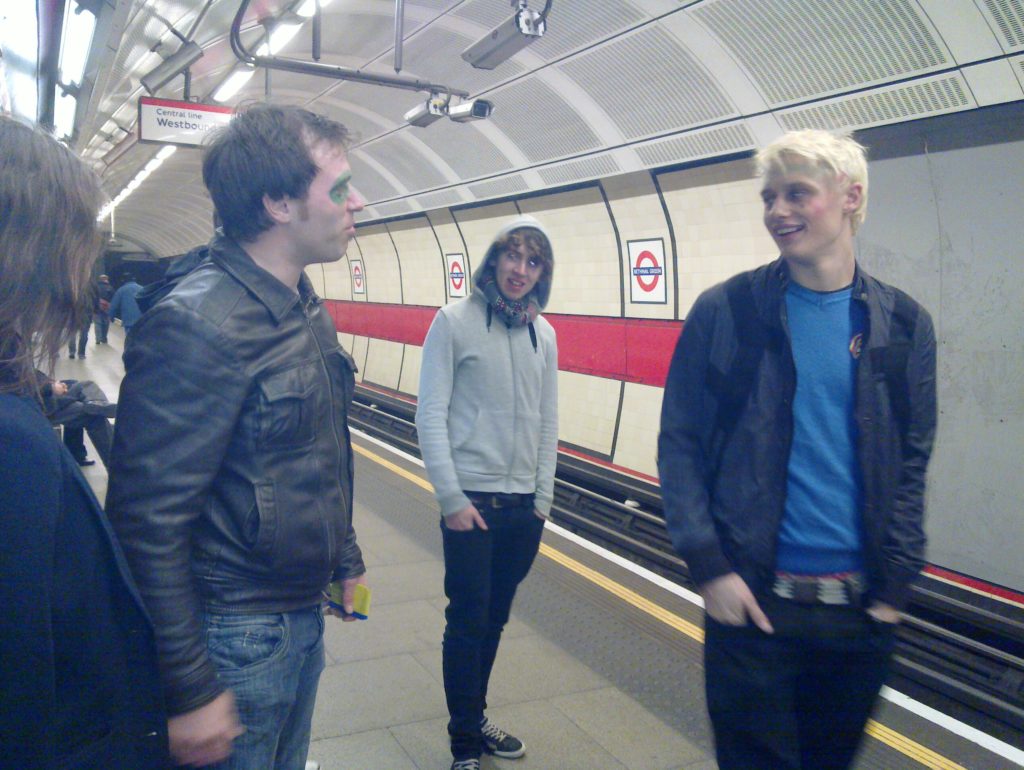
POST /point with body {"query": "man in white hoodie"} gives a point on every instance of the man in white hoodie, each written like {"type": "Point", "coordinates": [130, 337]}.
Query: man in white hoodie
{"type": "Point", "coordinates": [488, 431]}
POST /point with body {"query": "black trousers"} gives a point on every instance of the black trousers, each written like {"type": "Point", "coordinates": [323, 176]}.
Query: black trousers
{"type": "Point", "coordinates": [483, 568]}
{"type": "Point", "coordinates": [82, 337]}
{"type": "Point", "coordinates": [101, 432]}
{"type": "Point", "coordinates": [797, 699]}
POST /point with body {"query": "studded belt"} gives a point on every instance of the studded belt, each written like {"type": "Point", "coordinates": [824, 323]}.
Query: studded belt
{"type": "Point", "coordinates": [840, 588]}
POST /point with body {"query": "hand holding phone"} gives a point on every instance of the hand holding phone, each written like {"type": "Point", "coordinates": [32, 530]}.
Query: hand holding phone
{"type": "Point", "coordinates": [360, 600]}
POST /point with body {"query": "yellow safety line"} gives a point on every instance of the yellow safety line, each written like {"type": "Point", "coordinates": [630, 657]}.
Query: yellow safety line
{"type": "Point", "coordinates": [912, 749]}
{"type": "Point", "coordinates": [422, 483]}
{"type": "Point", "coordinates": [631, 597]}
{"type": "Point", "coordinates": [880, 732]}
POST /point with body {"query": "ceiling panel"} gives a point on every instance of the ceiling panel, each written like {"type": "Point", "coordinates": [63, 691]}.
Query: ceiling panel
{"type": "Point", "coordinates": [464, 148]}
{"type": "Point", "coordinates": [696, 145]}
{"type": "Point", "coordinates": [937, 96]}
{"type": "Point", "coordinates": [654, 103]}
{"type": "Point", "coordinates": [796, 49]}
{"type": "Point", "coordinates": [540, 121]}
{"type": "Point", "coordinates": [1008, 16]}
{"type": "Point", "coordinates": [415, 171]}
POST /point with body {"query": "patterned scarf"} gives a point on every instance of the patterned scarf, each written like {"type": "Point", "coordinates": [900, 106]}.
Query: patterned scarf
{"type": "Point", "coordinates": [512, 312]}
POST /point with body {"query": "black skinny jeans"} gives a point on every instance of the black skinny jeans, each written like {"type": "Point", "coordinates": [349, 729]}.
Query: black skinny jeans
{"type": "Point", "coordinates": [797, 699]}
{"type": "Point", "coordinates": [483, 568]}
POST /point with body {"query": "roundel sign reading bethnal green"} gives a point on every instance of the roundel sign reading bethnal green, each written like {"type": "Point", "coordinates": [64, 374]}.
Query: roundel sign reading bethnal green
{"type": "Point", "coordinates": [458, 281]}
{"type": "Point", "coordinates": [358, 278]}
{"type": "Point", "coordinates": [647, 271]}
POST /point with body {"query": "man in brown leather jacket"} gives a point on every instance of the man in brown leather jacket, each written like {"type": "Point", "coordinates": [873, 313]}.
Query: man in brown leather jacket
{"type": "Point", "coordinates": [231, 474]}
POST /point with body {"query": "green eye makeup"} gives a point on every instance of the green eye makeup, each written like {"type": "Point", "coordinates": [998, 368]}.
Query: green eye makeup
{"type": "Point", "coordinates": [342, 188]}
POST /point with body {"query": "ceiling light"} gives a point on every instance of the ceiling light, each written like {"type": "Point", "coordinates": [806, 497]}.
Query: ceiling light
{"type": "Point", "coordinates": [233, 84]}
{"type": "Point", "coordinates": [308, 8]}
{"type": "Point", "coordinates": [75, 42]}
{"type": "Point", "coordinates": [64, 108]}
{"type": "Point", "coordinates": [281, 36]}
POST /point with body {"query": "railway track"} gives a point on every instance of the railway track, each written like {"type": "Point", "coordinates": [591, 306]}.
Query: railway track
{"type": "Point", "coordinates": [948, 645]}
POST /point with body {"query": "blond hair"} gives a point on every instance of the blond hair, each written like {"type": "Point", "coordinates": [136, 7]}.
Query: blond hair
{"type": "Point", "coordinates": [834, 155]}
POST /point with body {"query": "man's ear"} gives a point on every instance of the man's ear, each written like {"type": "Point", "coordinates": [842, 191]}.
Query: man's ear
{"type": "Point", "coordinates": [852, 197]}
{"type": "Point", "coordinates": [279, 211]}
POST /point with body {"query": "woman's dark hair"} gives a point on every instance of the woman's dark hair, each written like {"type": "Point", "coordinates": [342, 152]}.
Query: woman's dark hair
{"type": "Point", "coordinates": [49, 240]}
{"type": "Point", "coordinates": [264, 150]}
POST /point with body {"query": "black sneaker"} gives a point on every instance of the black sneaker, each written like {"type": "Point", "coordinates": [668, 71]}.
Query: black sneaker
{"type": "Point", "coordinates": [499, 743]}
{"type": "Point", "coordinates": [466, 764]}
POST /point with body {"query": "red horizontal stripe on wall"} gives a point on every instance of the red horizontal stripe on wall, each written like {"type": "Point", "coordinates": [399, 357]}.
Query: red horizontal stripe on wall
{"type": "Point", "coordinates": [628, 349]}
{"type": "Point", "coordinates": [383, 321]}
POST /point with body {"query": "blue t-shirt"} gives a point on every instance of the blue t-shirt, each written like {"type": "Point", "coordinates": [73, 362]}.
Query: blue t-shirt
{"type": "Point", "coordinates": [821, 531]}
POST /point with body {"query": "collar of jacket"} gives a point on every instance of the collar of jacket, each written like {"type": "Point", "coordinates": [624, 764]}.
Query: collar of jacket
{"type": "Point", "coordinates": [274, 295]}
{"type": "Point", "coordinates": [779, 271]}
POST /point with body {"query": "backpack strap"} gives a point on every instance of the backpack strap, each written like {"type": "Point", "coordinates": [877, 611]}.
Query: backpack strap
{"type": "Point", "coordinates": [732, 388]}
{"type": "Point", "coordinates": [891, 359]}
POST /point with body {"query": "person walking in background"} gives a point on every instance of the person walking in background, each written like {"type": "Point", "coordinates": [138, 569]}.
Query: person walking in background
{"type": "Point", "coordinates": [101, 310]}
{"type": "Point", "coordinates": [488, 430]}
{"type": "Point", "coordinates": [82, 335]}
{"type": "Point", "coordinates": [232, 470]}
{"type": "Point", "coordinates": [797, 423]}
{"type": "Point", "coordinates": [123, 305]}
{"type": "Point", "coordinates": [79, 684]}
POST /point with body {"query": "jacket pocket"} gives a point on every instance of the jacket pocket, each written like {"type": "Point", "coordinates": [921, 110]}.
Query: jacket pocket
{"type": "Point", "coordinates": [343, 370]}
{"type": "Point", "coordinates": [287, 409]}
{"type": "Point", "coordinates": [261, 523]}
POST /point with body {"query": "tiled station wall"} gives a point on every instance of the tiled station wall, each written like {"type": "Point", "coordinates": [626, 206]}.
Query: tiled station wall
{"type": "Point", "coordinates": [613, 352]}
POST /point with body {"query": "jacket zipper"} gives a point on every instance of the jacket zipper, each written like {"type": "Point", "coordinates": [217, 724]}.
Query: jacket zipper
{"type": "Point", "coordinates": [515, 406]}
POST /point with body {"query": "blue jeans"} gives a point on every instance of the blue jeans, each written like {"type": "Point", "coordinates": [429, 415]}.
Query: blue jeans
{"type": "Point", "coordinates": [102, 321]}
{"type": "Point", "coordinates": [272, 664]}
{"type": "Point", "coordinates": [483, 568]}
{"type": "Point", "coordinates": [797, 699]}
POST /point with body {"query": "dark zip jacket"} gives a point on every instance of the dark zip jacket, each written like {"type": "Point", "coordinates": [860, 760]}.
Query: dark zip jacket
{"type": "Point", "coordinates": [724, 495]}
{"type": "Point", "coordinates": [231, 475]}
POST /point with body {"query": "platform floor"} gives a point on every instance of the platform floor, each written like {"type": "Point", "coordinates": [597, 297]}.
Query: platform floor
{"type": "Point", "coordinates": [599, 669]}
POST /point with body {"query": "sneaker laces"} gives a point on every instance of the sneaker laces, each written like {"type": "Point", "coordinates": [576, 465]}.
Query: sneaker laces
{"type": "Point", "coordinates": [492, 731]}
{"type": "Point", "coordinates": [466, 764]}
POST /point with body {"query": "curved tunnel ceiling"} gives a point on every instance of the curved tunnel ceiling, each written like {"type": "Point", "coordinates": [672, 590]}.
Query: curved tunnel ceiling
{"type": "Point", "coordinates": [612, 88]}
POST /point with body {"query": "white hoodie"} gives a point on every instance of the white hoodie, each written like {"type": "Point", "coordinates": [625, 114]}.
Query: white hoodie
{"type": "Point", "coordinates": [488, 400]}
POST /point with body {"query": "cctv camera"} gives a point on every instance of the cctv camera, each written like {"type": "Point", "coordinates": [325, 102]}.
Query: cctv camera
{"type": "Point", "coordinates": [427, 112]}
{"type": "Point", "coordinates": [506, 39]}
{"type": "Point", "coordinates": [475, 109]}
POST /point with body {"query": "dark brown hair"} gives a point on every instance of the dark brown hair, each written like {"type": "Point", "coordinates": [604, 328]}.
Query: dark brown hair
{"type": "Point", "coordinates": [49, 240]}
{"type": "Point", "coordinates": [264, 150]}
{"type": "Point", "coordinates": [537, 245]}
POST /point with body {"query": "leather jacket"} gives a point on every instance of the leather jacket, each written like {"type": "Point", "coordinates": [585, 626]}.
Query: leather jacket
{"type": "Point", "coordinates": [724, 497]}
{"type": "Point", "coordinates": [231, 475]}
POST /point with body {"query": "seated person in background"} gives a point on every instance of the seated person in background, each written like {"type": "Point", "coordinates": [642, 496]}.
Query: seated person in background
{"type": "Point", "coordinates": [79, 406]}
